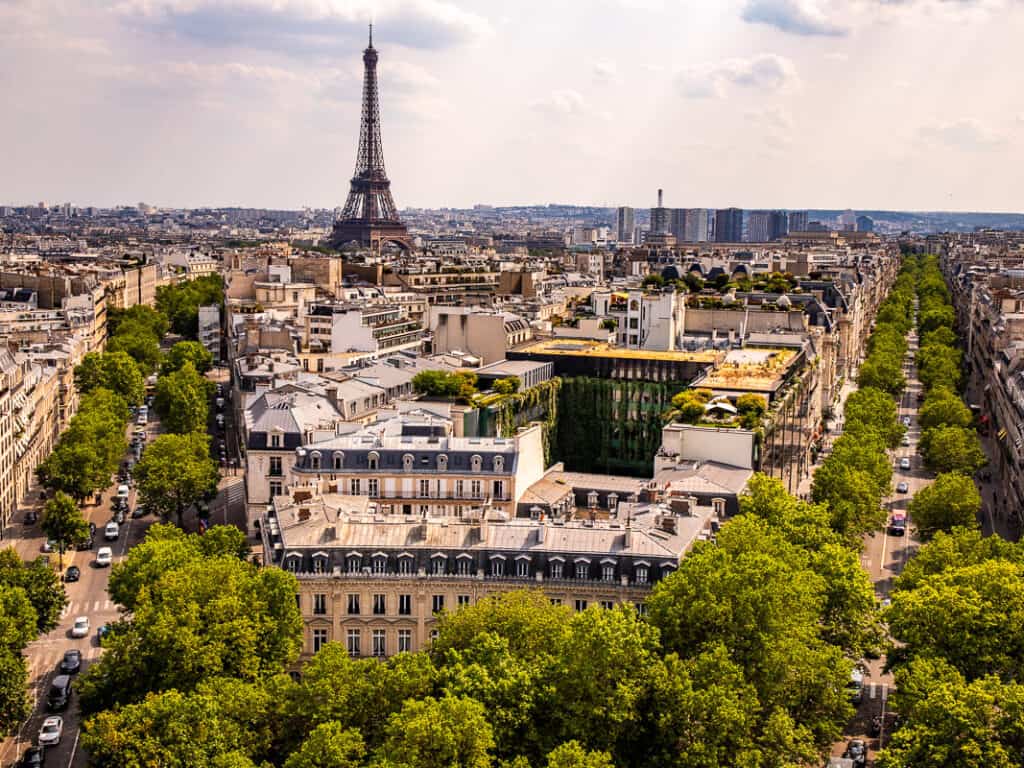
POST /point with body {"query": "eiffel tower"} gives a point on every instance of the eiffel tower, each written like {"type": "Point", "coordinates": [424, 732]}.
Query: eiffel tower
{"type": "Point", "coordinates": [370, 218]}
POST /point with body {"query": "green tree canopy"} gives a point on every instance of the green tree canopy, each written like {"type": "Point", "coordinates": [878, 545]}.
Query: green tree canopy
{"type": "Point", "coordinates": [187, 352]}
{"type": "Point", "coordinates": [40, 583]}
{"type": "Point", "coordinates": [959, 547]}
{"type": "Point", "coordinates": [180, 303]}
{"type": "Point", "coordinates": [944, 408]}
{"type": "Point", "coordinates": [875, 409]}
{"type": "Point", "coordinates": [431, 732]}
{"type": "Point", "coordinates": [175, 472]}
{"type": "Point", "coordinates": [182, 399]}
{"type": "Point", "coordinates": [952, 449]}
{"type": "Point", "coordinates": [573, 755]}
{"type": "Point", "coordinates": [939, 365]}
{"type": "Point", "coordinates": [115, 371]}
{"type": "Point", "coordinates": [460, 385]}
{"type": "Point", "coordinates": [329, 745]}
{"type": "Point", "coordinates": [139, 342]}
{"type": "Point", "coordinates": [138, 316]}
{"type": "Point", "coordinates": [211, 617]}
{"type": "Point", "coordinates": [14, 701]}
{"type": "Point", "coordinates": [63, 523]}
{"type": "Point", "coordinates": [952, 501]}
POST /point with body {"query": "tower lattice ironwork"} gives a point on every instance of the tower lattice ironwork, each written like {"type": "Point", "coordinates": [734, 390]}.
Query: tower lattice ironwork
{"type": "Point", "coordinates": [370, 217]}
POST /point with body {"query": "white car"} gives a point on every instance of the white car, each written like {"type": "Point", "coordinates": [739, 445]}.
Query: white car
{"type": "Point", "coordinates": [104, 556]}
{"type": "Point", "coordinates": [81, 627]}
{"type": "Point", "coordinates": [904, 463]}
{"type": "Point", "coordinates": [51, 731]}
{"type": "Point", "coordinates": [906, 421]}
{"type": "Point", "coordinates": [111, 532]}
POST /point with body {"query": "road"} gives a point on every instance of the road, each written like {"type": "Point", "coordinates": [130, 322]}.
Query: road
{"type": "Point", "coordinates": [884, 556]}
{"type": "Point", "coordinates": [86, 597]}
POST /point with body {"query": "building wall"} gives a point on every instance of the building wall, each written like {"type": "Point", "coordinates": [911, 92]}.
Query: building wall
{"type": "Point", "coordinates": [459, 328]}
{"type": "Point", "coordinates": [726, 446]}
{"type": "Point", "coordinates": [336, 622]}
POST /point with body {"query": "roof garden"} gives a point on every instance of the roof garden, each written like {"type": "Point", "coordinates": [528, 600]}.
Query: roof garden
{"type": "Point", "coordinates": [589, 348]}
{"type": "Point", "coordinates": [750, 370]}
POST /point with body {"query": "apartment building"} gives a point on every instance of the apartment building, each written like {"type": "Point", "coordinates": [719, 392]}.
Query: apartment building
{"type": "Point", "coordinates": [378, 582]}
{"type": "Point", "coordinates": [486, 334]}
{"type": "Point", "coordinates": [376, 330]}
{"type": "Point", "coordinates": [652, 320]}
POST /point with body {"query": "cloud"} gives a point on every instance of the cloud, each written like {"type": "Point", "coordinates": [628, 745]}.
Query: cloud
{"type": "Point", "coordinates": [797, 17]}
{"type": "Point", "coordinates": [605, 72]}
{"type": "Point", "coordinates": [966, 134]}
{"type": "Point", "coordinates": [562, 102]}
{"type": "Point", "coordinates": [772, 117]}
{"type": "Point", "coordinates": [303, 27]}
{"type": "Point", "coordinates": [768, 71]}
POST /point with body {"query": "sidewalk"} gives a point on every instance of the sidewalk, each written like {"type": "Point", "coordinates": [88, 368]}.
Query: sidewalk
{"type": "Point", "coordinates": [833, 429]}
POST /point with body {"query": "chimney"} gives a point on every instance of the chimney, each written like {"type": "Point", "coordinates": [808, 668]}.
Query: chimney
{"type": "Point", "coordinates": [541, 530]}
{"type": "Point", "coordinates": [332, 396]}
{"type": "Point", "coordinates": [627, 538]}
{"type": "Point", "coordinates": [659, 198]}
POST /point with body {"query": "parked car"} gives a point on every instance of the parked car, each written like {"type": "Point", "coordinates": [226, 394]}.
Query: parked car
{"type": "Point", "coordinates": [905, 440]}
{"type": "Point", "coordinates": [123, 490]}
{"type": "Point", "coordinates": [72, 574]}
{"type": "Point", "coordinates": [902, 487]}
{"type": "Point", "coordinates": [111, 531]}
{"type": "Point", "coordinates": [59, 694]}
{"type": "Point", "coordinates": [51, 731]}
{"type": "Point", "coordinates": [33, 757]}
{"type": "Point", "coordinates": [31, 517]}
{"type": "Point", "coordinates": [119, 517]}
{"type": "Point", "coordinates": [219, 402]}
{"type": "Point", "coordinates": [857, 751]}
{"type": "Point", "coordinates": [906, 421]}
{"type": "Point", "coordinates": [905, 463]}
{"type": "Point", "coordinates": [139, 511]}
{"type": "Point", "coordinates": [48, 546]}
{"type": "Point", "coordinates": [104, 556]}
{"type": "Point", "coordinates": [71, 663]}
{"type": "Point", "coordinates": [81, 627]}
{"type": "Point", "coordinates": [102, 632]}
{"type": "Point", "coordinates": [855, 688]}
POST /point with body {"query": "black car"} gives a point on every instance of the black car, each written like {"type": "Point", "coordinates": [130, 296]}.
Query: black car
{"type": "Point", "coordinates": [31, 517]}
{"type": "Point", "coordinates": [83, 545]}
{"type": "Point", "coordinates": [119, 517]}
{"type": "Point", "coordinates": [33, 757]}
{"type": "Point", "coordinates": [59, 694]}
{"type": "Point", "coordinates": [857, 751]}
{"type": "Point", "coordinates": [72, 574]}
{"type": "Point", "coordinates": [71, 663]}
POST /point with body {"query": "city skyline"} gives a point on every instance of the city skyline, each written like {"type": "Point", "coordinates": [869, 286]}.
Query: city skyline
{"type": "Point", "coordinates": [754, 103]}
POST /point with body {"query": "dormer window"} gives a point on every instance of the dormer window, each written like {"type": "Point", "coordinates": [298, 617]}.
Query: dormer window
{"type": "Point", "coordinates": [613, 502]}
{"type": "Point", "coordinates": [320, 563]}
{"type": "Point", "coordinates": [442, 462]}
{"type": "Point", "coordinates": [475, 463]}
{"type": "Point", "coordinates": [499, 463]}
{"type": "Point", "coordinates": [407, 462]}
{"type": "Point", "coordinates": [373, 459]}
{"type": "Point", "coordinates": [592, 499]}
{"type": "Point", "coordinates": [354, 562]}
{"type": "Point", "coordinates": [275, 441]}
{"type": "Point", "coordinates": [314, 460]}
{"type": "Point", "coordinates": [339, 460]}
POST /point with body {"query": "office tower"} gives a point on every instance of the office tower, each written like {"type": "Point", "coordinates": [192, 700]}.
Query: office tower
{"type": "Point", "coordinates": [624, 224]}
{"type": "Point", "coordinates": [798, 221]}
{"type": "Point", "coordinates": [757, 227]}
{"type": "Point", "coordinates": [677, 223]}
{"type": "Point", "coordinates": [848, 221]}
{"type": "Point", "coordinates": [778, 225]}
{"type": "Point", "coordinates": [660, 218]}
{"type": "Point", "coordinates": [865, 224]}
{"type": "Point", "coordinates": [695, 228]}
{"type": "Point", "coordinates": [729, 225]}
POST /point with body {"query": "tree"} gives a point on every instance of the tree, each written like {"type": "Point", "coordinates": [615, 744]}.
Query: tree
{"type": "Point", "coordinates": [187, 351]}
{"type": "Point", "coordinates": [689, 404]}
{"type": "Point", "coordinates": [950, 502]}
{"type": "Point", "coordinates": [884, 373]}
{"type": "Point", "coordinates": [165, 548]}
{"type": "Point", "coordinates": [175, 472]}
{"type": "Point", "coordinates": [18, 620]}
{"type": "Point", "coordinates": [429, 733]}
{"type": "Point", "coordinates": [938, 317]}
{"type": "Point", "coordinates": [41, 585]}
{"type": "Point", "coordinates": [971, 616]}
{"type": "Point", "coordinates": [939, 365]}
{"type": "Point", "coordinates": [204, 727]}
{"type": "Point", "coordinates": [943, 408]}
{"type": "Point", "coordinates": [180, 303]}
{"type": "Point", "coordinates": [875, 409]}
{"type": "Point", "coordinates": [329, 745]}
{"type": "Point", "coordinates": [953, 722]}
{"type": "Point", "coordinates": [14, 701]}
{"type": "Point", "coordinates": [751, 408]}
{"type": "Point", "coordinates": [952, 449]}
{"type": "Point", "coordinates": [941, 335]}
{"type": "Point", "coordinates": [63, 523]}
{"type": "Point", "coordinates": [115, 371]}
{"type": "Point", "coordinates": [573, 755]}
{"type": "Point", "coordinates": [507, 386]}
{"type": "Point", "coordinates": [182, 399]}
{"type": "Point", "coordinates": [653, 280]}
{"type": "Point", "coordinates": [460, 385]}
{"type": "Point", "coordinates": [139, 342]}
{"type": "Point", "coordinates": [958, 548]}
{"type": "Point", "coordinates": [609, 324]}
{"type": "Point", "coordinates": [210, 618]}
{"type": "Point", "coordinates": [139, 315]}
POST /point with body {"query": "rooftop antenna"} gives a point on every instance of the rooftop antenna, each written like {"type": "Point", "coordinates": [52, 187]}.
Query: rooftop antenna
{"type": "Point", "coordinates": [371, 34]}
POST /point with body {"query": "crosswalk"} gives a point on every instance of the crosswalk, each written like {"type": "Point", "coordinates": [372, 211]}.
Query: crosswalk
{"type": "Point", "coordinates": [878, 690]}
{"type": "Point", "coordinates": [46, 660]}
{"type": "Point", "coordinates": [87, 607]}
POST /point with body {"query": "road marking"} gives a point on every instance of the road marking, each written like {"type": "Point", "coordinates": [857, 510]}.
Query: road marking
{"type": "Point", "coordinates": [73, 748]}
{"type": "Point", "coordinates": [871, 690]}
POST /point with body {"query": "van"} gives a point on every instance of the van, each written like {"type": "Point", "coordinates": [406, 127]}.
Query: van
{"type": "Point", "coordinates": [122, 491]}
{"type": "Point", "coordinates": [855, 688]}
{"type": "Point", "coordinates": [60, 693]}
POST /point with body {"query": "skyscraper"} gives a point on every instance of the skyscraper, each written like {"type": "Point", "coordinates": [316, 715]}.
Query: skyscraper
{"type": "Point", "coordinates": [729, 225]}
{"type": "Point", "coordinates": [757, 229]}
{"type": "Point", "coordinates": [778, 225]}
{"type": "Point", "coordinates": [624, 224]}
{"type": "Point", "coordinates": [798, 221]}
{"type": "Point", "coordinates": [695, 229]}
{"type": "Point", "coordinates": [865, 224]}
{"type": "Point", "coordinates": [370, 217]}
{"type": "Point", "coordinates": [660, 224]}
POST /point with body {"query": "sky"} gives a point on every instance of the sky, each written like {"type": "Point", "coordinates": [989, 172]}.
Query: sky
{"type": "Point", "coordinates": [871, 104]}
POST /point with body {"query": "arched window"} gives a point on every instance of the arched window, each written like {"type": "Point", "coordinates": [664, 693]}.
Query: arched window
{"type": "Point", "coordinates": [499, 463]}
{"type": "Point", "coordinates": [373, 459]}
{"type": "Point", "coordinates": [339, 460]}
{"type": "Point", "coordinates": [475, 462]}
{"type": "Point", "coordinates": [442, 462]}
{"type": "Point", "coordinates": [407, 462]}
{"type": "Point", "coordinates": [314, 460]}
